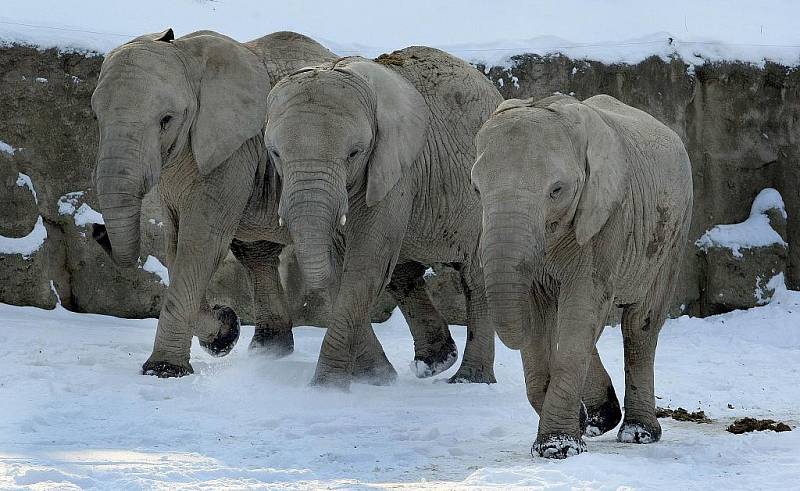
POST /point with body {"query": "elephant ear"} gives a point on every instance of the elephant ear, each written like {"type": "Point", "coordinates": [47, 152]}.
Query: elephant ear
{"type": "Point", "coordinates": [232, 85]}
{"type": "Point", "coordinates": [402, 118]}
{"type": "Point", "coordinates": [166, 36]}
{"type": "Point", "coordinates": [606, 170]}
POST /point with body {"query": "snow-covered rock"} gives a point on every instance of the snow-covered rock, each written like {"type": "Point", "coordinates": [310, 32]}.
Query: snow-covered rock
{"type": "Point", "coordinates": [756, 231]}
{"type": "Point", "coordinates": [746, 262]}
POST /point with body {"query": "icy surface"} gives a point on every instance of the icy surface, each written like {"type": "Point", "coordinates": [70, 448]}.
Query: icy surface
{"type": "Point", "coordinates": [26, 245]}
{"type": "Point", "coordinates": [76, 413]}
{"type": "Point", "coordinates": [23, 180]}
{"type": "Point", "coordinates": [153, 265]}
{"type": "Point", "coordinates": [756, 231]}
{"type": "Point", "coordinates": [620, 31]}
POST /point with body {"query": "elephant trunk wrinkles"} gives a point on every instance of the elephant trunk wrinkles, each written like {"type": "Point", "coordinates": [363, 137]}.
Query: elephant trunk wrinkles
{"type": "Point", "coordinates": [511, 252]}
{"type": "Point", "coordinates": [121, 209]}
{"type": "Point", "coordinates": [312, 211]}
{"type": "Point", "coordinates": [121, 181]}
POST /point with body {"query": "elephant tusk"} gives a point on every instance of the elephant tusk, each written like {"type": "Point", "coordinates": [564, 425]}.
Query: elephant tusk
{"type": "Point", "coordinates": [280, 221]}
{"type": "Point", "coordinates": [343, 220]}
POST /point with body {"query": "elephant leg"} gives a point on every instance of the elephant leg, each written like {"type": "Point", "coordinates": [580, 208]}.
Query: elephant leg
{"type": "Point", "coordinates": [641, 324]}
{"type": "Point", "coordinates": [368, 263]}
{"type": "Point", "coordinates": [477, 366]}
{"type": "Point", "coordinates": [273, 333]}
{"type": "Point", "coordinates": [580, 317]}
{"type": "Point", "coordinates": [434, 348]}
{"type": "Point", "coordinates": [207, 222]}
{"type": "Point", "coordinates": [371, 364]}
{"type": "Point", "coordinates": [600, 399]}
{"type": "Point", "coordinates": [536, 356]}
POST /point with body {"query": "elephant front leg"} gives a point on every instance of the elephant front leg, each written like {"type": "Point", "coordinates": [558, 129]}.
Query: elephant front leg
{"type": "Point", "coordinates": [561, 426]}
{"type": "Point", "coordinates": [477, 366]}
{"type": "Point", "coordinates": [207, 224]}
{"type": "Point", "coordinates": [273, 333]}
{"type": "Point", "coordinates": [434, 348]}
{"type": "Point", "coordinates": [371, 364]}
{"type": "Point", "coordinates": [367, 266]}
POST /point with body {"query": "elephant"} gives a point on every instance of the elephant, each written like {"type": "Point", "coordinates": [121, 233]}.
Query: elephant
{"type": "Point", "coordinates": [382, 172]}
{"type": "Point", "coordinates": [585, 206]}
{"type": "Point", "coordinates": [187, 114]}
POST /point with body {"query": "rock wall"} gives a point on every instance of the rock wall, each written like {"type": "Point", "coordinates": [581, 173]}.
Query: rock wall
{"type": "Point", "coordinates": [739, 122]}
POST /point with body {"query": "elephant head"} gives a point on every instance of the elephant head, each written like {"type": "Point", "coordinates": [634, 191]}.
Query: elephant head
{"type": "Point", "coordinates": [160, 100]}
{"type": "Point", "coordinates": [339, 133]}
{"type": "Point", "coordinates": [549, 175]}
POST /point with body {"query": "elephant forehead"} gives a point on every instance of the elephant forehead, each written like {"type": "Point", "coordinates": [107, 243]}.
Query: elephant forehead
{"type": "Point", "coordinates": [324, 88]}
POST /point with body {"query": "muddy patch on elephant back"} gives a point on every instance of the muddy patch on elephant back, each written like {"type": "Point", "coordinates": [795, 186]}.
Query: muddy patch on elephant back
{"type": "Point", "coordinates": [394, 58]}
{"type": "Point", "coordinates": [682, 414]}
{"type": "Point", "coordinates": [747, 425]}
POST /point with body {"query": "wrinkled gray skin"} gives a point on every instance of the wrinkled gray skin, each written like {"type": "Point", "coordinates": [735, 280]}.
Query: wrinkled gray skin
{"type": "Point", "coordinates": [187, 114]}
{"type": "Point", "coordinates": [382, 171]}
{"type": "Point", "coordinates": [586, 205]}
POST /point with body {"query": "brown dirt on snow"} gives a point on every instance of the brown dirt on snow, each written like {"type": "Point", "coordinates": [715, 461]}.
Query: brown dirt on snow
{"type": "Point", "coordinates": [682, 414]}
{"type": "Point", "coordinates": [746, 425]}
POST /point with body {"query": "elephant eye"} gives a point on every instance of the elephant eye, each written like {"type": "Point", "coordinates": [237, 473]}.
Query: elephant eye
{"type": "Point", "coordinates": [556, 191]}
{"type": "Point", "coordinates": [165, 121]}
{"type": "Point", "coordinates": [353, 153]}
{"type": "Point", "coordinates": [274, 153]}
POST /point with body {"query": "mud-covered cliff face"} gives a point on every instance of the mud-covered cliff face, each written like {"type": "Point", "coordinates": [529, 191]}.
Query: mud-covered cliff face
{"type": "Point", "coordinates": [739, 123]}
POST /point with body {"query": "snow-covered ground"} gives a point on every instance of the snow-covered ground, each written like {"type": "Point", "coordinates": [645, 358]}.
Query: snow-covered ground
{"type": "Point", "coordinates": [77, 414]}
{"type": "Point", "coordinates": [477, 30]}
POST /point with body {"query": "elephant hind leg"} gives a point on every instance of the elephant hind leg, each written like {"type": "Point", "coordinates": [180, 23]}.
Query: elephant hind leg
{"type": "Point", "coordinates": [641, 324]}
{"type": "Point", "coordinates": [600, 399]}
{"type": "Point", "coordinates": [434, 348]}
{"type": "Point", "coordinates": [273, 333]}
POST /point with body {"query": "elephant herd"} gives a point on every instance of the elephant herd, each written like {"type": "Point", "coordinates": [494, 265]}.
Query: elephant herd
{"type": "Point", "coordinates": [553, 212]}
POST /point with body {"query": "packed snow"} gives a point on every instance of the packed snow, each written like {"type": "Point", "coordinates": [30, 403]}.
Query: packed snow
{"type": "Point", "coordinates": [476, 30]}
{"type": "Point", "coordinates": [764, 294]}
{"type": "Point", "coordinates": [77, 414]}
{"type": "Point", "coordinates": [153, 265]}
{"type": "Point", "coordinates": [84, 214]}
{"type": "Point", "coordinates": [24, 181]}
{"type": "Point", "coordinates": [27, 245]}
{"type": "Point", "coordinates": [756, 231]}
{"type": "Point", "coordinates": [6, 148]}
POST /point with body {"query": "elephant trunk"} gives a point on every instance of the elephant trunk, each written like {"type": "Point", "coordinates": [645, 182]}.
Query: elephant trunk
{"type": "Point", "coordinates": [121, 180]}
{"type": "Point", "coordinates": [312, 207]}
{"type": "Point", "coordinates": [511, 254]}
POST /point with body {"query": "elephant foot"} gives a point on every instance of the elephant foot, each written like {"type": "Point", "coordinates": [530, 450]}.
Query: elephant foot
{"type": "Point", "coordinates": [635, 431]}
{"type": "Point", "coordinates": [473, 375]}
{"type": "Point", "coordinates": [331, 379]}
{"type": "Point", "coordinates": [228, 332]}
{"type": "Point", "coordinates": [605, 417]}
{"type": "Point", "coordinates": [165, 369]}
{"type": "Point", "coordinates": [273, 343]}
{"type": "Point", "coordinates": [436, 363]}
{"type": "Point", "coordinates": [557, 446]}
{"type": "Point", "coordinates": [382, 374]}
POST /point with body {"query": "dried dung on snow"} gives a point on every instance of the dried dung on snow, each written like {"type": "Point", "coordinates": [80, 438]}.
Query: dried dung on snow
{"type": "Point", "coordinates": [746, 425]}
